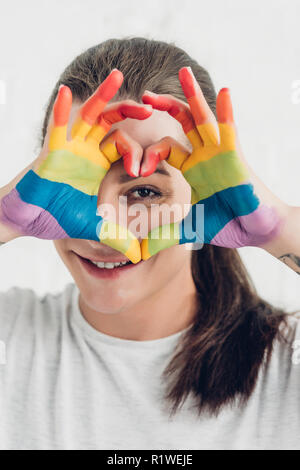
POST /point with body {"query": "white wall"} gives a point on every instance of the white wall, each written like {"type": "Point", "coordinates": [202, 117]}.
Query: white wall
{"type": "Point", "coordinates": [252, 47]}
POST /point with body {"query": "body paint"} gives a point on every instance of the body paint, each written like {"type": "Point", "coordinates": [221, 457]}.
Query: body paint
{"type": "Point", "coordinates": [58, 198]}
{"type": "Point", "coordinates": [233, 214]}
{"type": "Point", "coordinates": [51, 201]}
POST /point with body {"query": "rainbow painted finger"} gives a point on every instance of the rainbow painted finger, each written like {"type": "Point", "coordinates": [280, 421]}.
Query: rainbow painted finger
{"type": "Point", "coordinates": [232, 215]}
{"type": "Point", "coordinates": [58, 197]}
{"type": "Point", "coordinates": [96, 104]}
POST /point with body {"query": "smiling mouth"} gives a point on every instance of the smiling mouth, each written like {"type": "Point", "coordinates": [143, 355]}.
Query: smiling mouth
{"type": "Point", "coordinates": [106, 269]}
{"type": "Point", "coordinates": [109, 264]}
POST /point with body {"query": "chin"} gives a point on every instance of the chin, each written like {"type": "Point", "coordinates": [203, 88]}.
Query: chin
{"type": "Point", "coordinates": [108, 280]}
{"type": "Point", "coordinates": [110, 302]}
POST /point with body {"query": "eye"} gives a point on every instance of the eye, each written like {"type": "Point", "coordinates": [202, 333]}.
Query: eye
{"type": "Point", "coordinates": [143, 193]}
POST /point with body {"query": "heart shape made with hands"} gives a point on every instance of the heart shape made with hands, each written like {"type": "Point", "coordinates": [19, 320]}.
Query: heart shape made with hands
{"type": "Point", "coordinates": [226, 209]}
{"type": "Point", "coordinates": [57, 198]}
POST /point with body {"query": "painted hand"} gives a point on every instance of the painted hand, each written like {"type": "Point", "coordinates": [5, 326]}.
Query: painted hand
{"type": "Point", "coordinates": [58, 197]}
{"type": "Point", "coordinates": [234, 215]}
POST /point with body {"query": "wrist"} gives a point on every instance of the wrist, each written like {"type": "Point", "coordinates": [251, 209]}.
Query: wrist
{"type": "Point", "coordinates": [7, 233]}
{"type": "Point", "coordinates": [287, 239]}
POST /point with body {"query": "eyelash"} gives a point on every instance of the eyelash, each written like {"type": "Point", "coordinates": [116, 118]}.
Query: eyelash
{"type": "Point", "coordinates": [156, 193]}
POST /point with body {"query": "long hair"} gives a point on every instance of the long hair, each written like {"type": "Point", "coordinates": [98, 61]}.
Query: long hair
{"type": "Point", "coordinates": [218, 359]}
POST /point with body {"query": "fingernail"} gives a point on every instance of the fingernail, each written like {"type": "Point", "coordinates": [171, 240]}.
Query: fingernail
{"type": "Point", "coordinates": [225, 90]}
{"type": "Point", "coordinates": [149, 92]}
{"type": "Point", "coordinates": [60, 86]}
{"type": "Point", "coordinates": [135, 169]}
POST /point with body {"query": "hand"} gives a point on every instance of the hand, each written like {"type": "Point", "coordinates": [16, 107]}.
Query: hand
{"type": "Point", "coordinates": [57, 197]}
{"type": "Point", "coordinates": [237, 212]}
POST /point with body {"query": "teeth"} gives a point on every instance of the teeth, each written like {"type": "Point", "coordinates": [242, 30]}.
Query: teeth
{"type": "Point", "coordinates": [101, 264]}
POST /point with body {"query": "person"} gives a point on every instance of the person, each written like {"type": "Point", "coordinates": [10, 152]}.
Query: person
{"type": "Point", "coordinates": [154, 346]}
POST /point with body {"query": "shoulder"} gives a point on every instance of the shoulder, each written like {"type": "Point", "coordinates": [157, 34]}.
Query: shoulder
{"type": "Point", "coordinates": [284, 364]}
{"type": "Point", "coordinates": [288, 340]}
{"type": "Point", "coordinates": [22, 309]}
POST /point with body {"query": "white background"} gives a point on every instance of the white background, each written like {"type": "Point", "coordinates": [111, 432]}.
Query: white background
{"type": "Point", "coordinates": [252, 47]}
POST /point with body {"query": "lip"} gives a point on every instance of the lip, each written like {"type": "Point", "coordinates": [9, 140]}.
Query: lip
{"type": "Point", "coordinates": [104, 273]}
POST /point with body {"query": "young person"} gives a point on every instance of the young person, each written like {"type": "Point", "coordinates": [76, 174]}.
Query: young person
{"type": "Point", "coordinates": [175, 350]}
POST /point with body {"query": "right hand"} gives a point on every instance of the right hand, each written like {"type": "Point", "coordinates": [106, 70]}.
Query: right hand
{"type": "Point", "coordinates": [228, 207]}
{"type": "Point", "coordinates": [58, 197]}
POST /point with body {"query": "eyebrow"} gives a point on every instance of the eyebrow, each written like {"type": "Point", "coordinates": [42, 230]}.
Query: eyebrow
{"type": "Point", "coordinates": [125, 177]}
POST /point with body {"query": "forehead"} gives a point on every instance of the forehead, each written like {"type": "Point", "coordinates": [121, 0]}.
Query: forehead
{"type": "Point", "coordinates": [148, 131]}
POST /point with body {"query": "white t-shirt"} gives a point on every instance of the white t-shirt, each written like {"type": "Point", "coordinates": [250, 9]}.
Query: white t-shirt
{"type": "Point", "coordinates": [68, 386]}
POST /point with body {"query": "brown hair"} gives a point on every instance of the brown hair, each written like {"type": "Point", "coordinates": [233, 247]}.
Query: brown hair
{"type": "Point", "coordinates": [234, 330]}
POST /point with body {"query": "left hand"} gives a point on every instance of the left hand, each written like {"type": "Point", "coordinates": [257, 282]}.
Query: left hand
{"type": "Point", "coordinates": [238, 208]}
{"type": "Point", "coordinates": [58, 196]}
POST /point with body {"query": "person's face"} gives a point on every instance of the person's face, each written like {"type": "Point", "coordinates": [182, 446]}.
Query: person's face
{"type": "Point", "coordinates": [117, 289]}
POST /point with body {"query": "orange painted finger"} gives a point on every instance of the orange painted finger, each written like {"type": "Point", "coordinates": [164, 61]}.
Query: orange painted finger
{"type": "Point", "coordinates": [166, 149]}
{"type": "Point", "coordinates": [61, 114]}
{"type": "Point", "coordinates": [178, 110]}
{"type": "Point", "coordinates": [93, 107]}
{"type": "Point", "coordinates": [202, 114]}
{"type": "Point", "coordinates": [117, 112]}
{"type": "Point", "coordinates": [62, 106]}
{"type": "Point", "coordinates": [224, 107]}
{"type": "Point", "coordinates": [105, 92]}
{"type": "Point", "coordinates": [225, 118]}
{"type": "Point", "coordinates": [120, 145]}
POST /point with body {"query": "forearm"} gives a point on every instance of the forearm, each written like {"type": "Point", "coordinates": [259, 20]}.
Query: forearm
{"type": "Point", "coordinates": [286, 247]}
{"type": "Point", "coordinates": [7, 233]}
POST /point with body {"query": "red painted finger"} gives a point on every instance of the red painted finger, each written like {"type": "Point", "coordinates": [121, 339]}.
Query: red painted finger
{"type": "Point", "coordinates": [166, 149]}
{"type": "Point", "coordinates": [117, 112]}
{"type": "Point", "coordinates": [120, 145]}
{"type": "Point", "coordinates": [104, 93]}
{"type": "Point", "coordinates": [175, 107]}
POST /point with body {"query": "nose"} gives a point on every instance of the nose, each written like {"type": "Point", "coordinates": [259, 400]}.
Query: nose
{"type": "Point", "coordinates": [102, 248]}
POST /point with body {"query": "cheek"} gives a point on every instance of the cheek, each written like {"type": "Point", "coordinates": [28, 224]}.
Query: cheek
{"type": "Point", "coordinates": [182, 190]}
{"type": "Point", "coordinates": [61, 247]}
{"type": "Point", "coordinates": [169, 264]}
{"type": "Point", "coordinates": [65, 248]}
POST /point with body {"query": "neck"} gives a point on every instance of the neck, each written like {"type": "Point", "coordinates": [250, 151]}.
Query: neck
{"type": "Point", "coordinates": [164, 313]}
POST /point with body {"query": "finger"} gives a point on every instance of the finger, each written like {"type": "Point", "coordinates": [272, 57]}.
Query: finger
{"type": "Point", "coordinates": [61, 113]}
{"type": "Point", "coordinates": [202, 114]}
{"type": "Point", "coordinates": [126, 109]}
{"type": "Point", "coordinates": [115, 113]}
{"type": "Point", "coordinates": [224, 107]}
{"type": "Point", "coordinates": [166, 149]}
{"type": "Point", "coordinates": [178, 110]}
{"type": "Point", "coordinates": [225, 117]}
{"type": "Point", "coordinates": [120, 239]}
{"type": "Point", "coordinates": [120, 145]}
{"type": "Point", "coordinates": [159, 239]}
{"type": "Point", "coordinates": [189, 230]}
{"type": "Point", "coordinates": [93, 107]}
